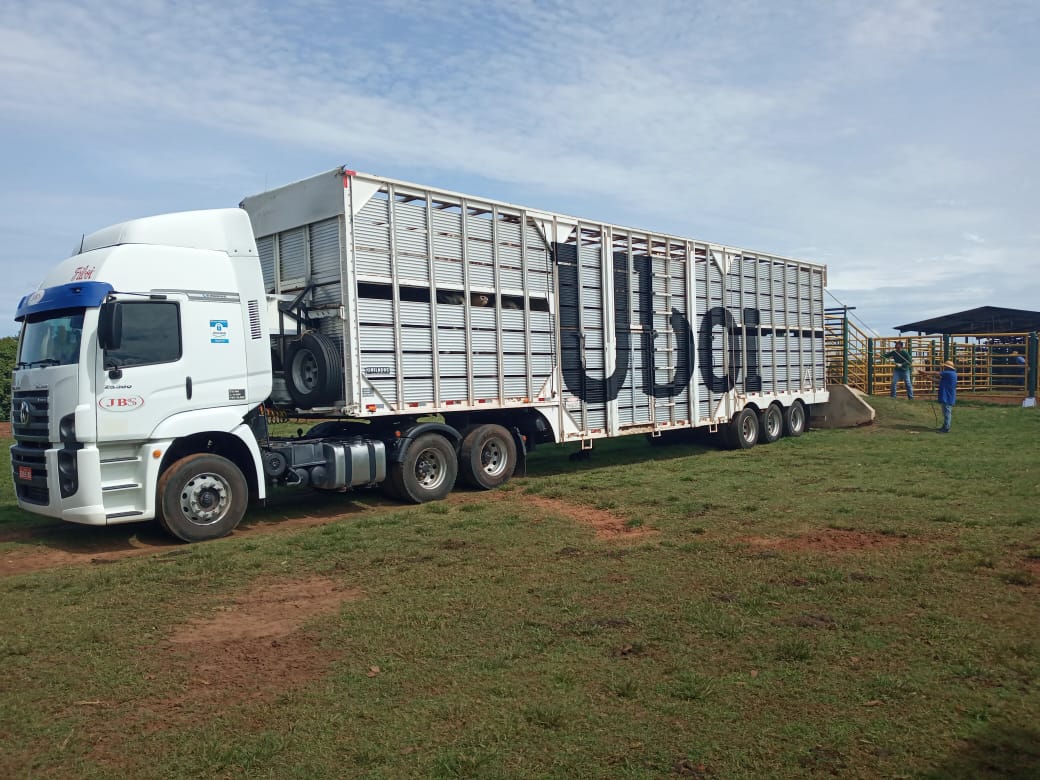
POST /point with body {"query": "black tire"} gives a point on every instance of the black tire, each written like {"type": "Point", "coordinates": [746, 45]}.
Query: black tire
{"type": "Point", "coordinates": [770, 424]}
{"type": "Point", "coordinates": [743, 430]}
{"type": "Point", "coordinates": [313, 370]}
{"type": "Point", "coordinates": [427, 472]}
{"type": "Point", "coordinates": [487, 457]}
{"type": "Point", "coordinates": [201, 497]}
{"type": "Point", "coordinates": [794, 419]}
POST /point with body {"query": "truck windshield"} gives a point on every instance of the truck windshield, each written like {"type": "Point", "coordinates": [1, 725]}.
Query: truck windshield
{"type": "Point", "coordinates": [51, 338]}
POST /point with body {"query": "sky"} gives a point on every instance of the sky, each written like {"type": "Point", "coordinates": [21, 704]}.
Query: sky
{"type": "Point", "coordinates": [893, 141]}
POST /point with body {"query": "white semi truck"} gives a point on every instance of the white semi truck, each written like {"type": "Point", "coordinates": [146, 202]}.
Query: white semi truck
{"type": "Point", "coordinates": [434, 335]}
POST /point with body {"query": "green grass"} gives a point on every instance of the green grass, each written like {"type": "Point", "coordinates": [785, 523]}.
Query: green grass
{"type": "Point", "coordinates": [721, 638]}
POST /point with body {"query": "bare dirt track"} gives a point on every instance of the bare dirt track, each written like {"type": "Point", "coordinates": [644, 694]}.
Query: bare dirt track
{"type": "Point", "coordinates": [55, 544]}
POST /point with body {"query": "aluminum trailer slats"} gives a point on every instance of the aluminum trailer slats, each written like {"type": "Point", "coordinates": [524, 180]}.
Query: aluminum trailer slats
{"type": "Point", "coordinates": [442, 302]}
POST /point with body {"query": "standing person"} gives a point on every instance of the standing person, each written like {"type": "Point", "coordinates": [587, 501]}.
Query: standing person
{"type": "Point", "coordinates": [904, 361]}
{"type": "Point", "coordinates": [947, 394]}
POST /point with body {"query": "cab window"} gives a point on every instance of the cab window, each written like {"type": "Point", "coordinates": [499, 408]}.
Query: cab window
{"type": "Point", "coordinates": [151, 333]}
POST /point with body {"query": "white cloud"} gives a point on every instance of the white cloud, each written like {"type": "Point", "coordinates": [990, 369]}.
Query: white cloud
{"type": "Point", "coordinates": [900, 26]}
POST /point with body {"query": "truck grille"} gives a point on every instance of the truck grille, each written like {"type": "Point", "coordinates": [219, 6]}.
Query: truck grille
{"type": "Point", "coordinates": [30, 425]}
{"type": "Point", "coordinates": [30, 413]}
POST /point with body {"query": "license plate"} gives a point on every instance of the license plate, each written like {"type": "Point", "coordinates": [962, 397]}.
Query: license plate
{"type": "Point", "coordinates": [25, 473]}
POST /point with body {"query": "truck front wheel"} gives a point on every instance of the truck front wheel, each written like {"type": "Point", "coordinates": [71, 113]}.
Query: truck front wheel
{"type": "Point", "coordinates": [487, 457]}
{"type": "Point", "coordinates": [427, 472]}
{"type": "Point", "coordinates": [201, 497]}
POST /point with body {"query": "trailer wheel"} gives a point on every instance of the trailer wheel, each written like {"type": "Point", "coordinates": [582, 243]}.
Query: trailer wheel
{"type": "Point", "coordinates": [743, 430]}
{"type": "Point", "coordinates": [770, 424]}
{"type": "Point", "coordinates": [201, 497]}
{"type": "Point", "coordinates": [487, 457]}
{"type": "Point", "coordinates": [794, 419]}
{"type": "Point", "coordinates": [427, 472]}
{"type": "Point", "coordinates": [312, 371]}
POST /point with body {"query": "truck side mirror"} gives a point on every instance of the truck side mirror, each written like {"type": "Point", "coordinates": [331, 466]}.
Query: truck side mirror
{"type": "Point", "coordinates": [110, 325]}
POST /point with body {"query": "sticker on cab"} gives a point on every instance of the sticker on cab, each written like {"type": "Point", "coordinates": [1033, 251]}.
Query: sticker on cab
{"type": "Point", "coordinates": [218, 332]}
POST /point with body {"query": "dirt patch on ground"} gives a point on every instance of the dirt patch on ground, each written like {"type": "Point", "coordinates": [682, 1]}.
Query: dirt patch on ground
{"type": "Point", "coordinates": [253, 648]}
{"type": "Point", "coordinates": [829, 541]}
{"type": "Point", "coordinates": [5, 430]}
{"type": "Point", "coordinates": [605, 524]}
{"type": "Point", "coordinates": [265, 613]}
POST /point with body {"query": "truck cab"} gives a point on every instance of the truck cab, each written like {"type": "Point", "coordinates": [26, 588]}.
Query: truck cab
{"type": "Point", "coordinates": [147, 346]}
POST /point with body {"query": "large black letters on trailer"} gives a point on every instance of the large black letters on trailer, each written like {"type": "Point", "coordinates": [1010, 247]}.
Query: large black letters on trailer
{"type": "Point", "coordinates": [592, 389]}
{"type": "Point", "coordinates": [683, 335]}
{"type": "Point", "coordinates": [568, 294]}
{"type": "Point", "coordinates": [718, 317]}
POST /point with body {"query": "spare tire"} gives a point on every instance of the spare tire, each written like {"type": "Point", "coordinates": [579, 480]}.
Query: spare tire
{"type": "Point", "coordinates": [313, 371]}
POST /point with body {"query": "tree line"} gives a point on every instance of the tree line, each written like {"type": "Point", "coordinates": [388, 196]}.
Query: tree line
{"type": "Point", "coordinates": [8, 349]}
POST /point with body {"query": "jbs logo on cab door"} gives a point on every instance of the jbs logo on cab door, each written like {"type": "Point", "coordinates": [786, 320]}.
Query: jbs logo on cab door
{"type": "Point", "coordinates": [120, 403]}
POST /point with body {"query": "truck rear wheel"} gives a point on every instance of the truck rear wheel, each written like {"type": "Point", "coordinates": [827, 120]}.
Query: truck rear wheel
{"type": "Point", "coordinates": [743, 430]}
{"type": "Point", "coordinates": [201, 497]}
{"type": "Point", "coordinates": [770, 424]}
{"type": "Point", "coordinates": [794, 419]}
{"type": "Point", "coordinates": [487, 457]}
{"type": "Point", "coordinates": [427, 472]}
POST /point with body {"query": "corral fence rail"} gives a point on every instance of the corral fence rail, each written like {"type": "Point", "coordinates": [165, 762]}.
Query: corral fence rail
{"type": "Point", "coordinates": [988, 364]}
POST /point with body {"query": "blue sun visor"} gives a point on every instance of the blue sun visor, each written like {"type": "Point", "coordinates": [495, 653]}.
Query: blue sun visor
{"type": "Point", "coordinates": [75, 295]}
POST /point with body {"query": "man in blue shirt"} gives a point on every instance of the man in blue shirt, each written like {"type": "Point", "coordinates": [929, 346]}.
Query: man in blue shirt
{"type": "Point", "coordinates": [947, 393]}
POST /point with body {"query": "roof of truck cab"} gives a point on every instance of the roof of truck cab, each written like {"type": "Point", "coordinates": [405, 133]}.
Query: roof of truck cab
{"type": "Point", "coordinates": [222, 230]}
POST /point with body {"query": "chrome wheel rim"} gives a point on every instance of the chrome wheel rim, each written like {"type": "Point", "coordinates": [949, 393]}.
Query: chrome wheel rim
{"type": "Point", "coordinates": [205, 499]}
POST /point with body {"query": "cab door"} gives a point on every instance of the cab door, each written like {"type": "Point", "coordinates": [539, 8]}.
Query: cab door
{"type": "Point", "coordinates": [142, 381]}
{"type": "Point", "coordinates": [179, 352]}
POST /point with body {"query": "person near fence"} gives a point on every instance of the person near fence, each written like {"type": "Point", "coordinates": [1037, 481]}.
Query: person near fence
{"type": "Point", "coordinates": [947, 393]}
{"type": "Point", "coordinates": [904, 364]}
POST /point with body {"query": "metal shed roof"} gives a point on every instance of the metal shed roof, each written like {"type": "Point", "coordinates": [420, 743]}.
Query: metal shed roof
{"type": "Point", "coordinates": [984, 319]}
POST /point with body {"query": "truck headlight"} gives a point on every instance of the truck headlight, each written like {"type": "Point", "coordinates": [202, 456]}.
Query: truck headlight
{"type": "Point", "coordinates": [68, 473]}
{"type": "Point", "coordinates": [67, 429]}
